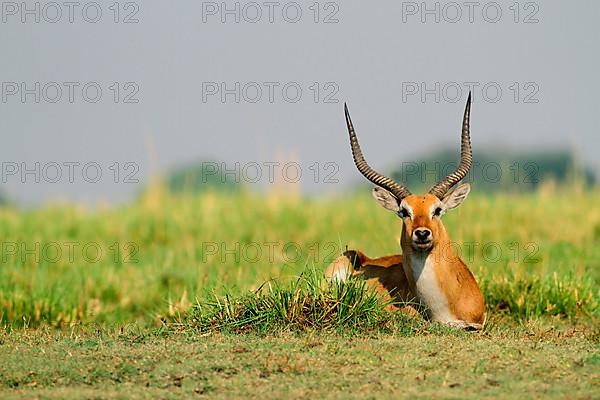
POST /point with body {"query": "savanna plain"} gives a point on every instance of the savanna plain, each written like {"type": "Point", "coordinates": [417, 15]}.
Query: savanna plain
{"type": "Point", "coordinates": [222, 295]}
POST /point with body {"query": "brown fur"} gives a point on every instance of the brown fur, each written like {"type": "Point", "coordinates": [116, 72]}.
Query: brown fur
{"type": "Point", "coordinates": [384, 274]}
{"type": "Point", "coordinates": [394, 276]}
{"type": "Point", "coordinates": [458, 284]}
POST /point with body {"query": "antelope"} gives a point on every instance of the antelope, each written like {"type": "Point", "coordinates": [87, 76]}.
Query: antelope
{"type": "Point", "coordinates": [428, 273]}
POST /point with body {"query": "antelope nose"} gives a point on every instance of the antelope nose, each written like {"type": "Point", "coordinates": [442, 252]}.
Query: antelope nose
{"type": "Point", "coordinates": [422, 234]}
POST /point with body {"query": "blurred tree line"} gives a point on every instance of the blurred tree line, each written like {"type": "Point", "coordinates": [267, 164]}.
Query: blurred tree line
{"type": "Point", "coordinates": [201, 176]}
{"type": "Point", "coordinates": [491, 171]}
{"type": "Point", "coordinates": [499, 171]}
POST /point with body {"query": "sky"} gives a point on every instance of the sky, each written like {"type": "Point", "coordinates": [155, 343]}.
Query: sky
{"type": "Point", "coordinates": [96, 97]}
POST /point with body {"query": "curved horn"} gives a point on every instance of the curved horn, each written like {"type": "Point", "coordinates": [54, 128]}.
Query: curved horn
{"type": "Point", "coordinates": [380, 180]}
{"type": "Point", "coordinates": [466, 158]}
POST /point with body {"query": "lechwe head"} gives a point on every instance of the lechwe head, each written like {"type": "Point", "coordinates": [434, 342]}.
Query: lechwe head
{"type": "Point", "coordinates": [421, 215]}
{"type": "Point", "coordinates": [437, 277]}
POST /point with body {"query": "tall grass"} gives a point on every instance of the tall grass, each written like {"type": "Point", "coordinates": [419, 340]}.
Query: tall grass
{"type": "Point", "coordinates": [535, 255]}
{"type": "Point", "coordinates": [311, 303]}
{"type": "Point", "coordinates": [528, 297]}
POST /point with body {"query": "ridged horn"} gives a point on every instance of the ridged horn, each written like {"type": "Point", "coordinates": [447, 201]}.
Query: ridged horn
{"type": "Point", "coordinates": [466, 158]}
{"type": "Point", "coordinates": [396, 189]}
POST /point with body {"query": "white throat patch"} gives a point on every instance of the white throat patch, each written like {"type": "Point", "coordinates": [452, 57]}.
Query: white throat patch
{"type": "Point", "coordinates": [428, 288]}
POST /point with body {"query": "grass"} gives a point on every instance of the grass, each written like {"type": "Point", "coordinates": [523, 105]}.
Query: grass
{"type": "Point", "coordinates": [535, 255]}
{"type": "Point", "coordinates": [222, 295]}
{"type": "Point", "coordinates": [305, 304]}
{"type": "Point", "coordinates": [310, 302]}
{"type": "Point", "coordinates": [104, 364]}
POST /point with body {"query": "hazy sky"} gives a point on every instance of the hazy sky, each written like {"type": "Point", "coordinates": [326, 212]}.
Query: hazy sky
{"type": "Point", "coordinates": [260, 83]}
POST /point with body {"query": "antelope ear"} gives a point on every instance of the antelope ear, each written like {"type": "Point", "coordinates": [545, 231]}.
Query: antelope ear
{"type": "Point", "coordinates": [456, 197]}
{"type": "Point", "coordinates": [386, 199]}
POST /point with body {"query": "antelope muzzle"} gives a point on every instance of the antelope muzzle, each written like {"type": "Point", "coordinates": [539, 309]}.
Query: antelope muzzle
{"type": "Point", "coordinates": [422, 239]}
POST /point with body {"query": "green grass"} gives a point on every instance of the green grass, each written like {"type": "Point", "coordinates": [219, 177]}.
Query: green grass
{"type": "Point", "coordinates": [310, 302]}
{"type": "Point", "coordinates": [535, 255]}
{"type": "Point", "coordinates": [305, 304]}
{"type": "Point", "coordinates": [104, 364]}
{"type": "Point", "coordinates": [222, 295]}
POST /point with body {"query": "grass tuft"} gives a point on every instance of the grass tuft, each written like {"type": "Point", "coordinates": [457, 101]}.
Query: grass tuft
{"type": "Point", "coordinates": [306, 303]}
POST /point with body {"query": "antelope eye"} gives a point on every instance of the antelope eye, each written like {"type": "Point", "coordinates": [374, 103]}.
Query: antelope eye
{"type": "Point", "coordinates": [437, 212]}
{"type": "Point", "coordinates": [403, 213]}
